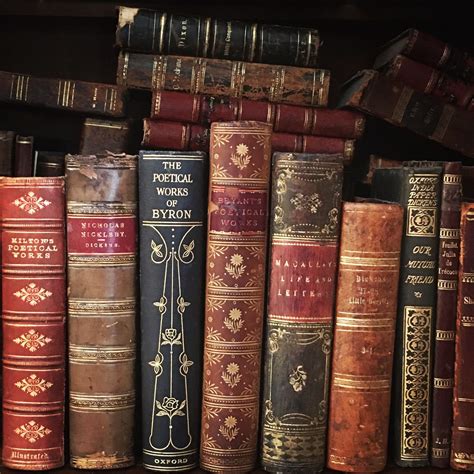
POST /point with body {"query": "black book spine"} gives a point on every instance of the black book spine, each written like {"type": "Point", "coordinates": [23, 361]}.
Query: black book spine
{"type": "Point", "coordinates": [418, 189]}
{"type": "Point", "coordinates": [173, 205]}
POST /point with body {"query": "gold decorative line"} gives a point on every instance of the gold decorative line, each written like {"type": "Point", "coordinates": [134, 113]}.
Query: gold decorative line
{"type": "Point", "coordinates": [445, 335]}
{"type": "Point", "coordinates": [207, 35]}
{"type": "Point", "coordinates": [452, 178]}
{"type": "Point", "coordinates": [365, 323]}
{"type": "Point", "coordinates": [447, 284]}
{"type": "Point", "coordinates": [402, 103]}
{"type": "Point", "coordinates": [369, 261]}
{"type": "Point", "coordinates": [87, 403]}
{"type": "Point", "coordinates": [467, 278]}
{"type": "Point", "coordinates": [445, 233]}
{"type": "Point", "coordinates": [467, 321]}
{"type": "Point", "coordinates": [443, 383]}
{"type": "Point", "coordinates": [162, 31]}
{"type": "Point", "coordinates": [459, 460]}
{"type": "Point", "coordinates": [444, 57]}
{"type": "Point", "coordinates": [187, 467]}
{"type": "Point", "coordinates": [86, 354]}
{"type": "Point", "coordinates": [439, 453]}
{"type": "Point", "coordinates": [466, 400]}
{"type": "Point", "coordinates": [443, 123]}
{"type": "Point", "coordinates": [465, 428]}
{"type": "Point", "coordinates": [165, 454]}
{"type": "Point", "coordinates": [101, 462]}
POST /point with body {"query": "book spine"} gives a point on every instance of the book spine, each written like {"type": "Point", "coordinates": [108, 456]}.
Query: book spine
{"type": "Point", "coordinates": [6, 152]}
{"type": "Point", "coordinates": [23, 160]}
{"type": "Point", "coordinates": [173, 192]}
{"type": "Point", "coordinates": [462, 447]}
{"type": "Point", "coordinates": [101, 235]}
{"type": "Point", "coordinates": [33, 314]}
{"type": "Point", "coordinates": [364, 336]}
{"type": "Point", "coordinates": [448, 262]}
{"type": "Point", "coordinates": [184, 136]}
{"type": "Point", "coordinates": [205, 109]}
{"type": "Point", "coordinates": [78, 96]}
{"type": "Point", "coordinates": [222, 78]}
{"type": "Point", "coordinates": [438, 54]}
{"type": "Point", "coordinates": [50, 163]}
{"type": "Point", "coordinates": [418, 190]}
{"type": "Point", "coordinates": [401, 105]}
{"type": "Point", "coordinates": [305, 216]}
{"type": "Point", "coordinates": [151, 31]}
{"type": "Point", "coordinates": [431, 81]}
{"type": "Point", "coordinates": [235, 289]}
{"type": "Point", "coordinates": [100, 136]}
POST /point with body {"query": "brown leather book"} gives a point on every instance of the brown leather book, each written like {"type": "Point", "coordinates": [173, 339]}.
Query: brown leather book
{"type": "Point", "coordinates": [364, 336]}
{"type": "Point", "coordinates": [448, 262]}
{"type": "Point", "coordinates": [101, 236]}
{"type": "Point", "coordinates": [23, 160]}
{"type": "Point", "coordinates": [78, 96]}
{"type": "Point", "coordinates": [34, 315]}
{"type": "Point", "coordinates": [305, 223]}
{"type": "Point", "coordinates": [462, 447]}
{"type": "Point", "coordinates": [101, 136]}
{"type": "Point", "coordinates": [223, 78]}
{"type": "Point", "coordinates": [7, 139]}
{"type": "Point", "coordinates": [235, 289]}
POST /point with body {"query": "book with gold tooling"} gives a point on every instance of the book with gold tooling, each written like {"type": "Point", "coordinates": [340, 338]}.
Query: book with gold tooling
{"type": "Point", "coordinates": [305, 216]}
{"type": "Point", "coordinates": [173, 204]}
{"type": "Point", "coordinates": [462, 446]}
{"type": "Point", "coordinates": [33, 314]}
{"type": "Point", "coordinates": [417, 187]}
{"type": "Point", "coordinates": [364, 336]}
{"type": "Point", "coordinates": [101, 237]}
{"type": "Point", "coordinates": [235, 288]}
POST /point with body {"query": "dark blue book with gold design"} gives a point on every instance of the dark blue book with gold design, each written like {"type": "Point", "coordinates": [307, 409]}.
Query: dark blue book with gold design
{"type": "Point", "coordinates": [173, 205]}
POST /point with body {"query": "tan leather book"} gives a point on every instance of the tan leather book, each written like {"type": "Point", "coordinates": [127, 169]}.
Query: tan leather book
{"type": "Point", "coordinates": [101, 235]}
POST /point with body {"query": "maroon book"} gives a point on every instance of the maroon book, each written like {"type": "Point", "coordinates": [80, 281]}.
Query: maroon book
{"type": "Point", "coordinates": [205, 109]}
{"type": "Point", "coordinates": [183, 136]}
{"type": "Point", "coordinates": [33, 313]}
{"type": "Point", "coordinates": [431, 81]}
{"type": "Point", "coordinates": [23, 162]}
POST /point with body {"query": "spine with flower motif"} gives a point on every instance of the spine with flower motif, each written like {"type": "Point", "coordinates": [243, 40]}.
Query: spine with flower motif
{"type": "Point", "coordinates": [172, 196]}
{"type": "Point", "coordinates": [306, 201]}
{"type": "Point", "coordinates": [235, 287]}
{"type": "Point", "coordinates": [33, 313]}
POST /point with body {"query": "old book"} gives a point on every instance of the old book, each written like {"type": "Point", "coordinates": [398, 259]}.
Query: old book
{"type": "Point", "coordinates": [462, 447]}
{"type": "Point", "coordinates": [7, 139]}
{"type": "Point", "coordinates": [101, 136]}
{"type": "Point", "coordinates": [223, 78]}
{"type": "Point", "coordinates": [235, 289]}
{"type": "Point", "coordinates": [151, 31]}
{"type": "Point", "coordinates": [305, 216]}
{"type": "Point", "coordinates": [431, 81]}
{"type": "Point", "coordinates": [78, 96]}
{"type": "Point", "coordinates": [33, 314]}
{"type": "Point", "coordinates": [400, 105]}
{"type": "Point", "coordinates": [376, 161]}
{"type": "Point", "coordinates": [448, 261]}
{"type": "Point", "coordinates": [205, 109]}
{"type": "Point", "coordinates": [173, 204]}
{"type": "Point", "coordinates": [101, 235]}
{"type": "Point", "coordinates": [49, 163]}
{"type": "Point", "coordinates": [184, 136]}
{"type": "Point", "coordinates": [417, 187]}
{"type": "Point", "coordinates": [364, 336]}
{"type": "Point", "coordinates": [432, 51]}
{"type": "Point", "coordinates": [23, 159]}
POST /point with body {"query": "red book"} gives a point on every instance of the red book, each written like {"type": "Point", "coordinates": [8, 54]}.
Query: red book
{"type": "Point", "coordinates": [33, 313]}
{"type": "Point", "coordinates": [205, 109]}
{"type": "Point", "coordinates": [183, 136]}
{"type": "Point", "coordinates": [431, 81]}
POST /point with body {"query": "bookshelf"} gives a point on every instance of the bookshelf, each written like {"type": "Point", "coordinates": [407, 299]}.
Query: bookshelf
{"type": "Point", "coordinates": [75, 39]}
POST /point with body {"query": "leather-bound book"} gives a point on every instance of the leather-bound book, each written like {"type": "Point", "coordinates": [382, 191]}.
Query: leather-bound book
{"type": "Point", "coordinates": [151, 31]}
{"type": "Point", "coordinates": [376, 161]}
{"type": "Point", "coordinates": [184, 136]}
{"type": "Point", "coordinates": [431, 81]}
{"type": "Point", "coordinates": [7, 138]}
{"type": "Point", "coordinates": [173, 203]}
{"type": "Point", "coordinates": [101, 235]}
{"type": "Point", "coordinates": [49, 163]}
{"type": "Point", "coordinates": [240, 155]}
{"type": "Point", "coordinates": [400, 105]}
{"type": "Point", "coordinates": [33, 314]}
{"type": "Point", "coordinates": [364, 336]}
{"type": "Point", "coordinates": [78, 96]}
{"type": "Point", "coordinates": [205, 109]}
{"type": "Point", "coordinates": [432, 51]}
{"type": "Point", "coordinates": [417, 187]}
{"type": "Point", "coordinates": [223, 78]}
{"type": "Point", "coordinates": [462, 447]}
{"type": "Point", "coordinates": [23, 160]}
{"type": "Point", "coordinates": [101, 136]}
{"type": "Point", "coordinates": [304, 223]}
{"type": "Point", "coordinates": [448, 262]}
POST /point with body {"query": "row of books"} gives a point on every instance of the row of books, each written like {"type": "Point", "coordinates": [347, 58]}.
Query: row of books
{"type": "Point", "coordinates": [333, 325]}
